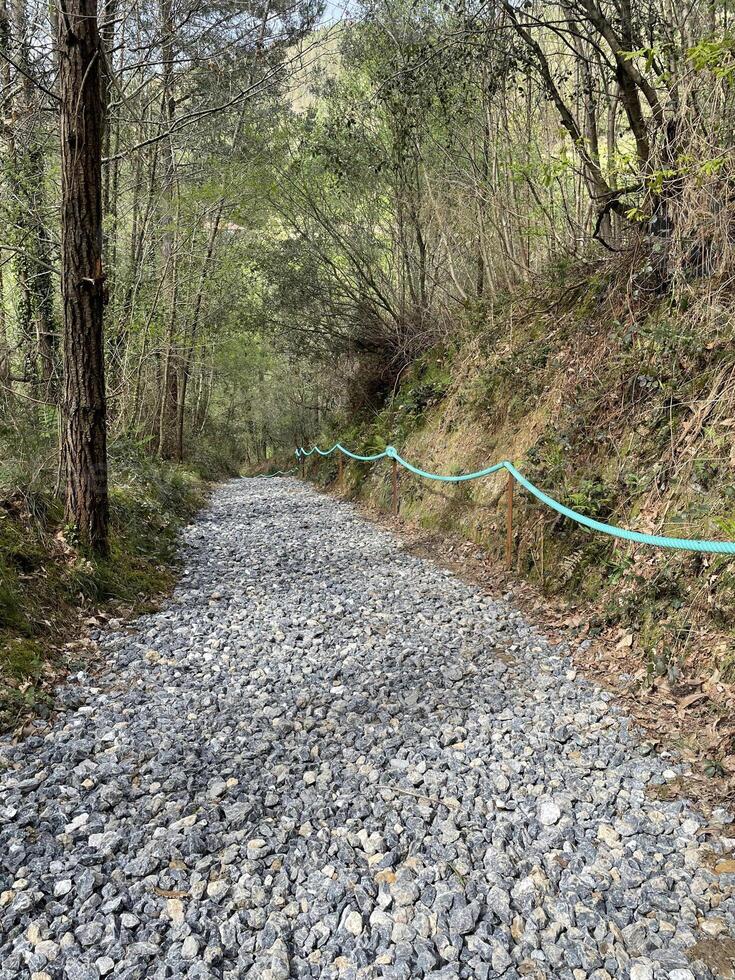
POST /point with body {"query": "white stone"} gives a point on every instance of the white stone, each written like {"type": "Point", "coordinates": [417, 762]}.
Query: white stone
{"type": "Point", "coordinates": [48, 948]}
{"type": "Point", "coordinates": [641, 971]}
{"type": "Point", "coordinates": [77, 823]}
{"type": "Point", "coordinates": [548, 813]}
{"type": "Point", "coordinates": [501, 783]}
{"type": "Point", "coordinates": [353, 923]}
{"type": "Point", "coordinates": [218, 889]}
{"type": "Point", "coordinates": [255, 848]}
{"type": "Point", "coordinates": [608, 835]}
{"type": "Point", "coordinates": [175, 910]}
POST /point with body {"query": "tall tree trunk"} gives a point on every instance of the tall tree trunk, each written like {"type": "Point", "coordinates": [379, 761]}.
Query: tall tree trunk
{"type": "Point", "coordinates": [82, 280]}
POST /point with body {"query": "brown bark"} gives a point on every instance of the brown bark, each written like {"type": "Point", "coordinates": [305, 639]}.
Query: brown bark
{"type": "Point", "coordinates": [82, 280]}
{"type": "Point", "coordinates": [110, 141]}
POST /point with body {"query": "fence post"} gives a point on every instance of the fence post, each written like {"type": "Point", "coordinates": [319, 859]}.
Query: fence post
{"type": "Point", "coordinates": [394, 494]}
{"type": "Point", "coordinates": [340, 466]}
{"type": "Point", "coordinates": [509, 522]}
{"type": "Point", "coordinates": [302, 462]}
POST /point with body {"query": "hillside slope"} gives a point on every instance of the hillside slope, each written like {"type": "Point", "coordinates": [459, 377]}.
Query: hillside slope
{"type": "Point", "coordinates": [619, 403]}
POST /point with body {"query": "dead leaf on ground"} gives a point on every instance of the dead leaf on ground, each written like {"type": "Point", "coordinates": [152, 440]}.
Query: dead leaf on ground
{"type": "Point", "coordinates": [692, 699]}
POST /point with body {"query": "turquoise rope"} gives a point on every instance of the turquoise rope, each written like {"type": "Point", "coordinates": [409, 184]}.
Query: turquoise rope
{"type": "Point", "coordinates": [345, 452]}
{"type": "Point", "coordinates": [684, 544]}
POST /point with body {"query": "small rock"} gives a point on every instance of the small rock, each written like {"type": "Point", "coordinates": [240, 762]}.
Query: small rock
{"type": "Point", "coordinates": [218, 889]}
{"type": "Point", "coordinates": [89, 934]}
{"type": "Point", "coordinates": [175, 910]}
{"type": "Point", "coordinates": [353, 923]}
{"type": "Point", "coordinates": [501, 783]}
{"type": "Point", "coordinates": [548, 813]}
{"type": "Point", "coordinates": [256, 848]}
{"type": "Point", "coordinates": [641, 971]}
{"type": "Point", "coordinates": [48, 948]}
{"type": "Point", "coordinates": [608, 835]}
{"type": "Point", "coordinates": [463, 920]}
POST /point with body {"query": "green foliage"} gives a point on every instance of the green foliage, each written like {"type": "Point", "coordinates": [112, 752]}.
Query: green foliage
{"type": "Point", "coordinates": [714, 768]}
{"type": "Point", "coordinates": [420, 391]}
{"type": "Point", "coordinates": [426, 386]}
{"type": "Point", "coordinates": [591, 498]}
{"type": "Point", "coordinates": [45, 581]}
{"type": "Point", "coordinates": [716, 55]}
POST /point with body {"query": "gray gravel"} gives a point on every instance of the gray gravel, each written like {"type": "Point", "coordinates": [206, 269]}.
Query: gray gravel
{"type": "Point", "coordinates": [327, 758]}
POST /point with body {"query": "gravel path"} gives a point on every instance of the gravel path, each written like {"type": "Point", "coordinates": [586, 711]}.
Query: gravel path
{"type": "Point", "coordinates": [327, 758]}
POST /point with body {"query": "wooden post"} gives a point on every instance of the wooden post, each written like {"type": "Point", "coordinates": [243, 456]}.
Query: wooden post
{"type": "Point", "coordinates": [394, 494]}
{"type": "Point", "coordinates": [340, 466]}
{"type": "Point", "coordinates": [543, 562]}
{"type": "Point", "coordinates": [509, 522]}
{"type": "Point", "coordinates": [302, 465]}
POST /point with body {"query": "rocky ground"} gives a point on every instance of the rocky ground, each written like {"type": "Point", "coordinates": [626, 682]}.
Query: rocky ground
{"type": "Point", "coordinates": [327, 758]}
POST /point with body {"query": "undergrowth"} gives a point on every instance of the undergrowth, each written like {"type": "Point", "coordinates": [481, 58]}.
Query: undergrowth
{"type": "Point", "coordinates": [48, 584]}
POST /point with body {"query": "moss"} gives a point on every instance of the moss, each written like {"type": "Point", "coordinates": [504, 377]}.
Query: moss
{"type": "Point", "coordinates": [21, 659]}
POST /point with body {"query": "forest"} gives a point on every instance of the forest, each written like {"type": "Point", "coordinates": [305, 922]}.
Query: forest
{"type": "Point", "coordinates": [478, 231]}
{"type": "Point", "coordinates": [367, 512]}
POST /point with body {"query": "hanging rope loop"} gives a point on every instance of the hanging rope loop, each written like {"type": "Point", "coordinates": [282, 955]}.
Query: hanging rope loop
{"type": "Point", "coordinates": [657, 540]}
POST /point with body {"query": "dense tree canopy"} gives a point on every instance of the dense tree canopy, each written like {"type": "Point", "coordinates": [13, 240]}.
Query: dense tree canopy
{"type": "Point", "coordinates": [293, 209]}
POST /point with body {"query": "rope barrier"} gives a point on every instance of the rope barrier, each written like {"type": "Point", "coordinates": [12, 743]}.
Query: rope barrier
{"type": "Point", "coordinates": [328, 452]}
{"type": "Point", "coordinates": [682, 544]}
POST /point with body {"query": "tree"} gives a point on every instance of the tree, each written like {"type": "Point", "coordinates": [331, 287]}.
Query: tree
{"type": "Point", "coordinates": [82, 279]}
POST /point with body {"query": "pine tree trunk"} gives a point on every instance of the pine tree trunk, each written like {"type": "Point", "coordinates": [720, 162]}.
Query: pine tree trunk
{"type": "Point", "coordinates": [84, 411]}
